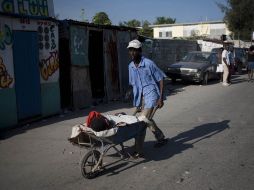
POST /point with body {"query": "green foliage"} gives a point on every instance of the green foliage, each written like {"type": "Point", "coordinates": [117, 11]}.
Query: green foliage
{"type": "Point", "coordinates": [164, 20]}
{"type": "Point", "coordinates": [239, 17]}
{"type": "Point", "coordinates": [131, 23]}
{"type": "Point", "coordinates": [146, 30]}
{"type": "Point", "coordinates": [101, 18]}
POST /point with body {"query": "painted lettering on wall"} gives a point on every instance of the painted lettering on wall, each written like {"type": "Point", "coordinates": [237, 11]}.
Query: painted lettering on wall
{"type": "Point", "coordinates": [5, 79]}
{"type": "Point", "coordinates": [26, 7]}
{"type": "Point", "coordinates": [46, 33]}
{"type": "Point", "coordinates": [8, 6]}
{"type": "Point", "coordinates": [52, 36]}
{"type": "Point", "coordinates": [6, 37]}
{"type": "Point", "coordinates": [50, 65]}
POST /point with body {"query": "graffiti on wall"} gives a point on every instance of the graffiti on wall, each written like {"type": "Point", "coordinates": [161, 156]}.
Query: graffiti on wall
{"type": "Point", "coordinates": [47, 38]}
{"type": "Point", "coordinates": [25, 7]}
{"type": "Point", "coordinates": [5, 79]}
{"type": "Point", "coordinates": [49, 65]}
{"type": "Point", "coordinates": [6, 37]}
{"type": "Point", "coordinates": [52, 36]}
{"type": "Point", "coordinates": [78, 44]}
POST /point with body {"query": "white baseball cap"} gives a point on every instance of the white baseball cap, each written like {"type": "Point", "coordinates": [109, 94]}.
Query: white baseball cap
{"type": "Point", "coordinates": [134, 44]}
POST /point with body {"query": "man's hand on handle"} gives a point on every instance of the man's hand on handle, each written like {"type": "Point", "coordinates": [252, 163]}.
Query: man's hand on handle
{"type": "Point", "coordinates": [160, 103]}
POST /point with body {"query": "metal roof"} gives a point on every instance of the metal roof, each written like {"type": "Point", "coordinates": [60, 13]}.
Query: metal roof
{"type": "Point", "coordinates": [74, 22]}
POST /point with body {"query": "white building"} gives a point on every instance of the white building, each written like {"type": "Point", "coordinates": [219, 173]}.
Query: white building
{"type": "Point", "coordinates": [210, 29]}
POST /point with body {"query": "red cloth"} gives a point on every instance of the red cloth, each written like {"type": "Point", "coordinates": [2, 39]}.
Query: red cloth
{"type": "Point", "coordinates": [91, 116]}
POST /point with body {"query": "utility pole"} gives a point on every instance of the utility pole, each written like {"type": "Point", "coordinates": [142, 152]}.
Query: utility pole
{"type": "Point", "coordinates": [83, 19]}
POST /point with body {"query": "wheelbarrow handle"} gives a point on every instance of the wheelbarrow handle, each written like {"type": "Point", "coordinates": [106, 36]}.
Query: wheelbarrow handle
{"type": "Point", "coordinates": [152, 114]}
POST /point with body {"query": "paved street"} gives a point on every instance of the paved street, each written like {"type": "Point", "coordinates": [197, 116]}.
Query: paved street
{"type": "Point", "coordinates": [211, 145]}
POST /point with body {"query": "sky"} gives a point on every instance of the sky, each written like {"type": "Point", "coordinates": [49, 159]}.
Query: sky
{"type": "Point", "coordinates": [184, 11]}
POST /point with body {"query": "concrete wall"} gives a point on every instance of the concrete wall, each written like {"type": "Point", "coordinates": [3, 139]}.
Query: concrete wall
{"type": "Point", "coordinates": [165, 52]}
{"type": "Point", "coordinates": [208, 46]}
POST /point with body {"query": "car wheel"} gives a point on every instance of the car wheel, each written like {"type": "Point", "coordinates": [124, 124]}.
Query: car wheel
{"type": "Point", "coordinates": [205, 79]}
{"type": "Point", "coordinates": [173, 80]}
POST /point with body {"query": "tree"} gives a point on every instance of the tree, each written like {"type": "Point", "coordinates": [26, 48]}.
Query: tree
{"type": "Point", "coordinates": [239, 17]}
{"type": "Point", "coordinates": [146, 30]}
{"type": "Point", "coordinates": [101, 18]}
{"type": "Point", "coordinates": [131, 23]}
{"type": "Point", "coordinates": [164, 20]}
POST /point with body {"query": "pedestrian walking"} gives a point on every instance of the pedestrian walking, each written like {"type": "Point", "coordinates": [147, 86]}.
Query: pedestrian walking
{"type": "Point", "coordinates": [250, 63]}
{"type": "Point", "coordinates": [231, 56]}
{"type": "Point", "coordinates": [226, 64]}
{"type": "Point", "coordinates": [219, 69]}
{"type": "Point", "coordinates": [146, 80]}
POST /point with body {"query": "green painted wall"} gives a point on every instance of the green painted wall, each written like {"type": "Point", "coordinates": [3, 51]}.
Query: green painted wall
{"type": "Point", "coordinates": [8, 110]}
{"type": "Point", "coordinates": [79, 45]}
{"type": "Point", "coordinates": [50, 95]}
{"type": "Point", "coordinates": [50, 99]}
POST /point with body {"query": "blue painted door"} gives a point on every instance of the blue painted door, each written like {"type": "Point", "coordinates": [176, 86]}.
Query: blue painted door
{"type": "Point", "coordinates": [27, 75]}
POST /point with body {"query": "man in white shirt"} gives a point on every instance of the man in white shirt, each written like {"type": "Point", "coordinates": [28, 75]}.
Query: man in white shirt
{"type": "Point", "coordinates": [226, 64]}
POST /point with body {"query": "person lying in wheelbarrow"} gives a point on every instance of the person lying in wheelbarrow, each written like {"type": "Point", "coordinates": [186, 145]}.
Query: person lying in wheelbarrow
{"type": "Point", "coordinates": [119, 127]}
{"type": "Point", "coordinates": [130, 127]}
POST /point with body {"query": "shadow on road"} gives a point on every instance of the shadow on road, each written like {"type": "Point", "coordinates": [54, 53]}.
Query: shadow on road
{"type": "Point", "coordinates": [171, 89]}
{"type": "Point", "coordinates": [176, 145]}
{"type": "Point", "coordinates": [64, 116]}
{"type": "Point", "coordinates": [82, 113]}
{"type": "Point", "coordinates": [237, 79]}
{"type": "Point", "coordinates": [187, 139]}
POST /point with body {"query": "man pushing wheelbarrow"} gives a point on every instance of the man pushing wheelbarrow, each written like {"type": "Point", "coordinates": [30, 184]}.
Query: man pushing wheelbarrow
{"type": "Point", "coordinates": [146, 80]}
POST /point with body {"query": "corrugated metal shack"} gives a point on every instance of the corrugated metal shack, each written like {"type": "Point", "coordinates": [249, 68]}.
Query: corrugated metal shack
{"type": "Point", "coordinates": [94, 62]}
{"type": "Point", "coordinates": [29, 64]}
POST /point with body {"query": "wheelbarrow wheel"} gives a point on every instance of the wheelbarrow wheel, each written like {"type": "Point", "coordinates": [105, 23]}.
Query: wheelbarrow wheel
{"type": "Point", "coordinates": [88, 162]}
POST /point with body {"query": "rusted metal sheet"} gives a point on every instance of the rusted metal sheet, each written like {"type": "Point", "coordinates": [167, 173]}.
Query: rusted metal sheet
{"type": "Point", "coordinates": [111, 64]}
{"type": "Point", "coordinates": [134, 35]}
{"type": "Point", "coordinates": [81, 89]}
{"type": "Point", "coordinates": [123, 38]}
{"type": "Point", "coordinates": [103, 52]}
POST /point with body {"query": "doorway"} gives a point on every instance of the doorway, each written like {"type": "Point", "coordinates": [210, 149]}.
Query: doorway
{"type": "Point", "coordinates": [96, 64]}
{"type": "Point", "coordinates": [27, 74]}
{"type": "Point", "coordinates": [64, 73]}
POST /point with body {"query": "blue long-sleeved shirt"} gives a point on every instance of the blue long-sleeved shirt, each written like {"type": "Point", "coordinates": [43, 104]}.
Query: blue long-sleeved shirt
{"type": "Point", "coordinates": [144, 80]}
